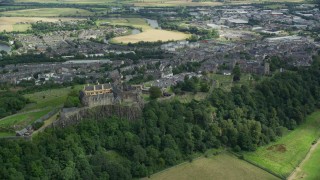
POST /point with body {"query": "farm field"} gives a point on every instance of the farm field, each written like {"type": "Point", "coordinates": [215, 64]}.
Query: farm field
{"type": "Point", "coordinates": [190, 3]}
{"type": "Point", "coordinates": [152, 35]}
{"type": "Point", "coordinates": [47, 12]}
{"type": "Point", "coordinates": [222, 166]}
{"type": "Point", "coordinates": [9, 24]}
{"type": "Point", "coordinates": [174, 3]}
{"type": "Point", "coordinates": [310, 168]}
{"type": "Point", "coordinates": [133, 22]}
{"type": "Point", "coordinates": [67, 1]}
{"type": "Point", "coordinates": [282, 156]}
{"type": "Point", "coordinates": [16, 23]}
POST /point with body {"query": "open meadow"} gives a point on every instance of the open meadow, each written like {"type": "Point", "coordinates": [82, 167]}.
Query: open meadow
{"type": "Point", "coordinates": [285, 154]}
{"type": "Point", "coordinates": [222, 166]}
{"type": "Point", "coordinates": [21, 24]}
{"type": "Point", "coordinates": [47, 12]}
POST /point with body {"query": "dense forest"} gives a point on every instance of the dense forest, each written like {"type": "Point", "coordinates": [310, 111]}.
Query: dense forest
{"type": "Point", "coordinates": [169, 132]}
{"type": "Point", "coordinates": [11, 102]}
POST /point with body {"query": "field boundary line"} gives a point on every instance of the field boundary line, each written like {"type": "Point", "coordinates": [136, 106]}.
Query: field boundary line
{"type": "Point", "coordinates": [166, 169]}
{"type": "Point", "coordinates": [297, 168]}
{"type": "Point", "coordinates": [241, 157]}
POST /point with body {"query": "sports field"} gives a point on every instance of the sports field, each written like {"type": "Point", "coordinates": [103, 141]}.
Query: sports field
{"type": "Point", "coordinates": [222, 166]}
{"type": "Point", "coordinates": [9, 24]}
{"type": "Point", "coordinates": [284, 155]}
{"type": "Point", "coordinates": [47, 12]}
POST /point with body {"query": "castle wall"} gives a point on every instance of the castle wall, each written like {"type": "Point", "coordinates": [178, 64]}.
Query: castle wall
{"type": "Point", "coordinates": [74, 116]}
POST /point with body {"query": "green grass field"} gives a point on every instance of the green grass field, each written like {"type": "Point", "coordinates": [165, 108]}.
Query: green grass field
{"type": "Point", "coordinates": [19, 121]}
{"type": "Point", "coordinates": [133, 22]}
{"type": "Point", "coordinates": [21, 27]}
{"type": "Point", "coordinates": [43, 103]}
{"type": "Point", "coordinates": [310, 170]}
{"type": "Point", "coordinates": [68, 1]}
{"type": "Point", "coordinates": [47, 12]}
{"type": "Point", "coordinates": [282, 156]}
{"type": "Point", "coordinates": [6, 134]}
{"type": "Point", "coordinates": [222, 166]}
{"type": "Point", "coordinates": [47, 99]}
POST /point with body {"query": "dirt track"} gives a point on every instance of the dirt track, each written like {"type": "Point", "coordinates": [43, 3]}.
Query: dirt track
{"type": "Point", "coordinates": [294, 174]}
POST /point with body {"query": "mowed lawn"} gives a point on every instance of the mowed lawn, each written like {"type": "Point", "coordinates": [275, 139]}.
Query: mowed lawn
{"type": "Point", "coordinates": [222, 166]}
{"type": "Point", "coordinates": [282, 156]}
{"type": "Point", "coordinates": [310, 170]}
{"type": "Point", "coordinates": [47, 12]}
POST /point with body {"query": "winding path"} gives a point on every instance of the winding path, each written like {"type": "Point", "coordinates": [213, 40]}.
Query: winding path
{"type": "Point", "coordinates": [294, 174]}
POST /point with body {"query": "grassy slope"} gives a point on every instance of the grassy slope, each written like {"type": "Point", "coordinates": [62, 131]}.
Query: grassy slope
{"type": "Point", "coordinates": [48, 12]}
{"type": "Point", "coordinates": [311, 169]}
{"type": "Point", "coordinates": [222, 166]}
{"type": "Point", "coordinates": [22, 119]}
{"type": "Point", "coordinates": [44, 102]}
{"type": "Point", "coordinates": [297, 144]}
{"type": "Point", "coordinates": [47, 99]}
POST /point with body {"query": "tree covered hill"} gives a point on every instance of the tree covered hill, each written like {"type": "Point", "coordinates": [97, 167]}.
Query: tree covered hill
{"type": "Point", "coordinates": [168, 132]}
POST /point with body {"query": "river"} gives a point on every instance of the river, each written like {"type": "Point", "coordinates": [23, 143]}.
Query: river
{"type": "Point", "coordinates": [153, 23]}
{"type": "Point", "coordinates": [4, 47]}
{"type": "Point", "coordinates": [135, 31]}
